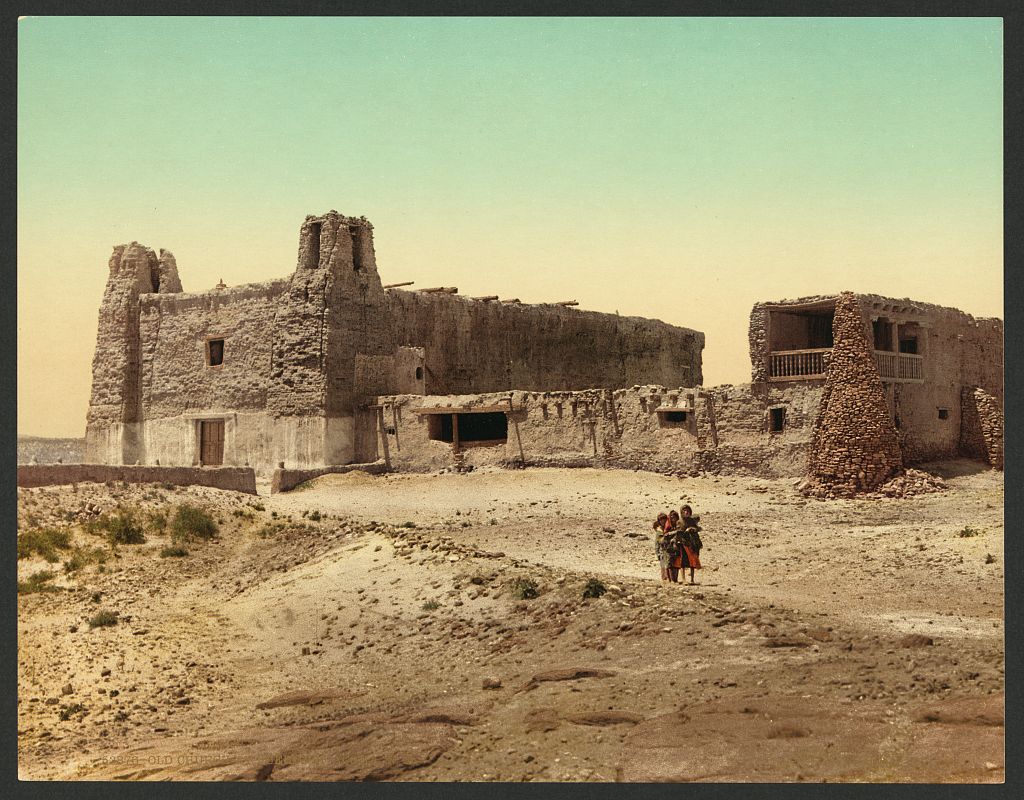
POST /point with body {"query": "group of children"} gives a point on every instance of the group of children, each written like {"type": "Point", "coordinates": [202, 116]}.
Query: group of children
{"type": "Point", "coordinates": [677, 543]}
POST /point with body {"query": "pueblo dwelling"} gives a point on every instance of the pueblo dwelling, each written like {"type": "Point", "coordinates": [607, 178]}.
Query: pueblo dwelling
{"type": "Point", "coordinates": [328, 367]}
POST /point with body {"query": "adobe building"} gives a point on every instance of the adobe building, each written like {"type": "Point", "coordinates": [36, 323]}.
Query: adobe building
{"type": "Point", "coordinates": [327, 367]}
{"type": "Point", "coordinates": [847, 390]}
{"type": "Point", "coordinates": [288, 370]}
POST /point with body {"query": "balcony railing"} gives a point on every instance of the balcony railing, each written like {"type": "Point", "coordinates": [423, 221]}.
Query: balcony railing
{"type": "Point", "coordinates": [899, 367]}
{"type": "Point", "coordinates": [803, 365]}
{"type": "Point", "coordinates": [797, 365]}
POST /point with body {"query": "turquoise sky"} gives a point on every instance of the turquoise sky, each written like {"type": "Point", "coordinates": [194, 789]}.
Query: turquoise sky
{"type": "Point", "coordinates": [675, 168]}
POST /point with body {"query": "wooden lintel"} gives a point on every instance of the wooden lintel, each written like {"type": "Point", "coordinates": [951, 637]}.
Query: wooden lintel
{"type": "Point", "coordinates": [486, 298]}
{"type": "Point", "coordinates": [464, 409]}
{"type": "Point", "coordinates": [440, 290]}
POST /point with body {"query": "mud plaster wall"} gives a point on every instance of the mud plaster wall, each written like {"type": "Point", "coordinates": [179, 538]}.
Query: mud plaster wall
{"type": "Point", "coordinates": [727, 430]}
{"type": "Point", "coordinates": [958, 351]}
{"type": "Point", "coordinates": [472, 346]}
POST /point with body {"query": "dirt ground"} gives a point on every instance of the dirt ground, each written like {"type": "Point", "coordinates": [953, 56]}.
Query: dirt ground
{"type": "Point", "coordinates": [369, 628]}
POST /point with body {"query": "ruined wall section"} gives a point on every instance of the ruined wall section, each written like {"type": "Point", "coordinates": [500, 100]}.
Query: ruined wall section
{"type": "Point", "coordinates": [757, 338]}
{"type": "Point", "coordinates": [981, 434]}
{"type": "Point", "coordinates": [855, 447]}
{"type": "Point", "coordinates": [472, 346]}
{"type": "Point", "coordinates": [620, 429]}
{"type": "Point", "coordinates": [167, 280]}
{"type": "Point", "coordinates": [112, 434]}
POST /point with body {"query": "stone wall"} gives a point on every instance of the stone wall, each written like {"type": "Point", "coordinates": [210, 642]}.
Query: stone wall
{"type": "Point", "coordinates": [981, 433]}
{"type": "Point", "coordinates": [727, 429]}
{"type": "Point", "coordinates": [855, 448]}
{"type": "Point", "coordinates": [235, 479]}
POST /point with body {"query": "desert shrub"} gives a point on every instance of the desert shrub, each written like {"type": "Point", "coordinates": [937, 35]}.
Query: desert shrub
{"type": "Point", "coordinates": [192, 522]}
{"type": "Point", "coordinates": [173, 552]}
{"type": "Point", "coordinates": [157, 520]}
{"type": "Point", "coordinates": [407, 525]}
{"type": "Point", "coordinates": [38, 582]}
{"type": "Point", "coordinates": [270, 529]}
{"type": "Point", "coordinates": [67, 712]}
{"type": "Point", "coordinates": [431, 605]}
{"type": "Point", "coordinates": [121, 527]}
{"type": "Point", "coordinates": [314, 516]}
{"type": "Point", "coordinates": [103, 619]}
{"type": "Point", "coordinates": [257, 506]}
{"type": "Point", "coordinates": [44, 541]}
{"type": "Point", "coordinates": [594, 588]}
{"type": "Point", "coordinates": [968, 532]}
{"type": "Point", "coordinates": [989, 558]}
{"type": "Point", "coordinates": [82, 557]}
{"type": "Point", "coordinates": [524, 589]}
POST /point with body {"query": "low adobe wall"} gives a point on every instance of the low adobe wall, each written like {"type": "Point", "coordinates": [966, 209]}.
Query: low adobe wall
{"type": "Point", "coordinates": [284, 480]}
{"type": "Point", "coordinates": [235, 479]}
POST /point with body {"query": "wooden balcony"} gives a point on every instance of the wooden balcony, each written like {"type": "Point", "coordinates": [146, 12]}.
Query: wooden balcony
{"type": "Point", "coordinates": [899, 367]}
{"type": "Point", "coordinates": [797, 365]}
{"type": "Point", "coordinates": [808, 365]}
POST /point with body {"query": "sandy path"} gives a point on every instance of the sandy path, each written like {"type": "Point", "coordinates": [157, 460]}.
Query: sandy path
{"type": "Point", "coordinates": [351, 648]}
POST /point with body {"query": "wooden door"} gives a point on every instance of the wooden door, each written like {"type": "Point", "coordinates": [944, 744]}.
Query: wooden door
{"type": "Point", "coordinates": [211, 442]}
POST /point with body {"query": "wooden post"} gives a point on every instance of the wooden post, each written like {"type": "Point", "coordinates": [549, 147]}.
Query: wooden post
{"type": "Point", "coordinates": [383, 437]}
{"type": "Point", "coordinates": [455, 433]}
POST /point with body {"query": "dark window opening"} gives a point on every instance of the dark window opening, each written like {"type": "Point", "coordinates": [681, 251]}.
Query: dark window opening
{"type": "Point", "coordinates": [896, 423]}
{"type": "Point", "coordinates": [483, 427]}
{"type": "Point", "coordinates": [675, 416]}
{"type": "Point", "coordinates": [909, 345]}
{"type": "Point", "coordinates": [154, 277]}
{"type": "Point", "coordinates": [313, 260]}
{"type": "Point", "coordinates": [358, 237]}
{"type": "Point", "coordinates": [215, 352]}
{"type": "Point", "coordinates": [943, 413]}
{"type": "Point", "coordinates": [439, 427]}
{"type": "Point", "coordinates": [419, 373]}
{"type": "Point", "coordinates": [800, 330]}
{"type": "Point", "coordinates": [819, 331]}
{"type": "Point", "coordinates": [882, 330]}
{"type": "Point", "coordinates": [778, 419]}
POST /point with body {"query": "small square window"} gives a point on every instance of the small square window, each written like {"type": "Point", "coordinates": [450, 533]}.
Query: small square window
{"type": "Point", "coordinates": [778, 419]}
{"type": "Point", "coordinates": [943, 413]}
{"type": "Point", "coordinates": [215, 352]}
